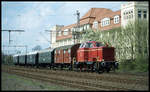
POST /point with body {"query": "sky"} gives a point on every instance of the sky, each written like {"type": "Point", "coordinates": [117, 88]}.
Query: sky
{"type": "Point", "coordinates": [36, 17]}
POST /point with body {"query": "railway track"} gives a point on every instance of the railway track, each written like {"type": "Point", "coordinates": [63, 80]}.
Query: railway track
{"type": "Point", "coordinates": [126, 79]}
{"type": "Point", "coordinates": [77, 80]}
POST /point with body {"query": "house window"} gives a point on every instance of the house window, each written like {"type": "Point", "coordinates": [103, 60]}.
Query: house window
{"type": "Point", "coordinates": [81, 28]}
{"type": "Point", "coordinates": [88, 26]}
{"type": "Point", "coordinates": [116, 19]}
{"type": "Point", "coordinates": [59, 33]}
{"type": "Point", "coordinates": [105, 22]}
{"type": "Point", "coordinates": [69, 51]}
{"type": "Point", "coordinates": [124, 13]}
{"type": "Point", "coordinates": [66, 32]}
{"type": "Point", "coordinates": [84, 27]}
{"type": "Point", "coordinates": [139, 14]}
{"type": "Point", "coordinates": [144, 14]}
{"type": "Point", "coordinates": [95, 24]}
{"type": "Point", "coordinates": [72, 29]}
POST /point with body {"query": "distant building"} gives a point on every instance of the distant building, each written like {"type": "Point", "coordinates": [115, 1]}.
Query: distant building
{"type": "Point", "coordinates": [95, 18]}
{"type": "Point", "coordinates": [54, 31]}
{"type": "Point", "coordinates": [134, 10]}
{"type": "Point", "coordinates": [101, 19]}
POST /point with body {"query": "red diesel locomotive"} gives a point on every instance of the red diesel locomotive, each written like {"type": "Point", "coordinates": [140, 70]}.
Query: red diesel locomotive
{"type": "Point", "coordinates": [96, 56]}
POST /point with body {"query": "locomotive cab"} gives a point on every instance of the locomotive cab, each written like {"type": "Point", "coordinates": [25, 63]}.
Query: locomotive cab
{"type": "Point", "coordinates": [98, 55]}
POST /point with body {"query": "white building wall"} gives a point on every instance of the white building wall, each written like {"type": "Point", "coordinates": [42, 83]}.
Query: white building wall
{"type": "Point", "coordinates": [53, 35]}
{"type": "Point", "coordinates": [132, 6]}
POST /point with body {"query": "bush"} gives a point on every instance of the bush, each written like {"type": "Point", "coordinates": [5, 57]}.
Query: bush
{"type": "Point", "coordinates": [126, 65]}
{"type": "Point", "coordinates": [7, 59]}
{"type": "Point", "coordinates": [141, 63]}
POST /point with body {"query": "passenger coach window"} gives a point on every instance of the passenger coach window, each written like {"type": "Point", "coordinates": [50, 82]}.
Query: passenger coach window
{"type": "Point", "coordinates": [64, 51]}
{"type": "Point", "coordinates": [69, 51]}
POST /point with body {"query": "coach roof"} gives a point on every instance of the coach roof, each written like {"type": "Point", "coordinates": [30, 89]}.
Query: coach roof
{"type": "Point", "coordinates": [64, 47]}
{"type": "Point", "coordinates": [35, 52]}
{"type": "Point", "coordinates": [45, 50]}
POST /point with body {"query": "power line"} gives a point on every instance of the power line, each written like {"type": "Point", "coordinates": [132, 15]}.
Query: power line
{"type": "Point", "coordinates": [12, 31]}
{"type": "Point", "coordinates": [44, 37]}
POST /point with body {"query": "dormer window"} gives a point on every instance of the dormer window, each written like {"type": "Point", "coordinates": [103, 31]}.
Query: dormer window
{"type": "Point", "coordinates": [116, 19]}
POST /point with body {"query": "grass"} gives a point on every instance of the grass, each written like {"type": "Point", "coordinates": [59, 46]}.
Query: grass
{"type": "Point", "coordinates": [15, 82]}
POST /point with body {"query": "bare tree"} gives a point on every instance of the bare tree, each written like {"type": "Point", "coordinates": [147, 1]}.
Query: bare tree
{"type": "Point", "coordinates": [38, 47]}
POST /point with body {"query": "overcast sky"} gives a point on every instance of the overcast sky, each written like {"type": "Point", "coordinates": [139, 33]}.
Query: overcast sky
{"type": "Point", "coordinates": [36, 17]}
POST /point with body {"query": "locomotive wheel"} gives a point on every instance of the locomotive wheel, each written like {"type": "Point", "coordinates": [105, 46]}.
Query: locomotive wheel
{"type": "Point", "coordinates": [97, 68]}
{"type": "Point", "coordinates": [70, 68]}
{"type": "Point", "coordinates": [61, 67]}
{"type": "Point", "coordinates": [80, 68]}
{"type": "Point", "coordinates": [92, 68]}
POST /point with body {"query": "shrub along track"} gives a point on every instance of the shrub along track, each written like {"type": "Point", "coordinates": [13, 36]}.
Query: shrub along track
{"type": "Point", "coordinates": [86, 81]}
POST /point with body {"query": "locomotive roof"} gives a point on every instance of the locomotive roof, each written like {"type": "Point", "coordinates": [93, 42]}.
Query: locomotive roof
{"type": "Point", "coordinates": [92, 42]}
{"type": "Point", "coordinates": [65, 47]}
{"type": "Point", "coordinates": [21, 54]}
{"type": "Point", "coordinates": [15, 55]}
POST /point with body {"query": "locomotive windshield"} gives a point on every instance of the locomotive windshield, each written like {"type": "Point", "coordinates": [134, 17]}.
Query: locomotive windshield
{"type": "Point", "coordinates": [86, 45]}
{"type": "Point", "coordinates": [91, 45]}
{"type": "Point", "coordinates": [99, 44]}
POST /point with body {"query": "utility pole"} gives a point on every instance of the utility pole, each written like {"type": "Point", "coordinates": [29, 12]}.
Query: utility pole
{"type": "Point", "coordinates": [13, 31]}
{"type": "Point", "coordinates": [76, 32]}
{"type": "Point", "coordinates": [78, 20]}
{"type": "Point", "coordinates": [78, 26]}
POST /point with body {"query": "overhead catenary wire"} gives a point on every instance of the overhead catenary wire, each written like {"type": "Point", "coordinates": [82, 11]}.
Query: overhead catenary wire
{"type": "Point", "coordinates": [44, 36]}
